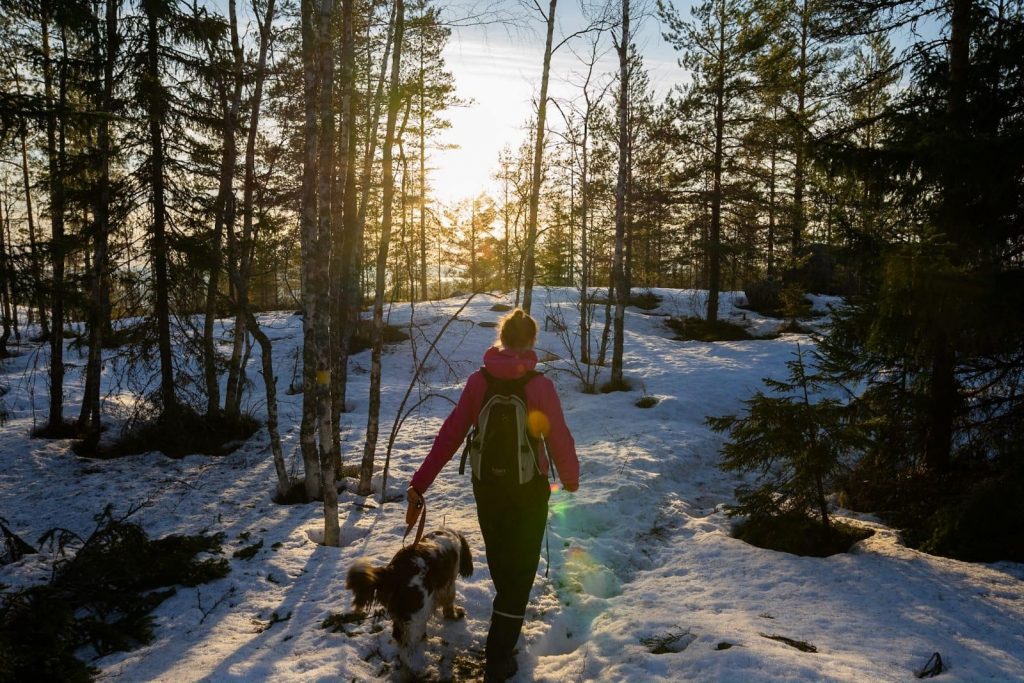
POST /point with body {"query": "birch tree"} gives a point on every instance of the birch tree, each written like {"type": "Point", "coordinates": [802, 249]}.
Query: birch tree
{"type": "Point", "coordinates": [529, 263]}
{"type": "Point", "coordinates": [377, 331]}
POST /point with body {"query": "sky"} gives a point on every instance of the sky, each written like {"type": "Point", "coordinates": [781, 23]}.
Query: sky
{"type": "Point", "coordinates": [497, 69]}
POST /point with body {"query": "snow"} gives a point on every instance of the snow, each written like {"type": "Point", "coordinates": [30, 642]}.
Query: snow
{"type": "Point", "coordinates": [641, 552]}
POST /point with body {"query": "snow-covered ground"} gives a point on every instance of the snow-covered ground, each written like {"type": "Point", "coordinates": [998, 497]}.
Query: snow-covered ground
{"type": "Point", "coordinates": [641, 555]}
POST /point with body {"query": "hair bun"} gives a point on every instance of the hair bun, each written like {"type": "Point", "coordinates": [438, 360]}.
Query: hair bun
{"type": "Point", "coordinates": [517, 330]}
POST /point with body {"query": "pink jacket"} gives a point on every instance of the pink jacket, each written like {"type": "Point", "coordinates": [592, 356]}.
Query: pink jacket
{"type": "Point", "coordinates": [545, 419]}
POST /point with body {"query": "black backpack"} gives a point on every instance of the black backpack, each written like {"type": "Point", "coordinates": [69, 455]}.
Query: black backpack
{"type": "Point", "coordinates": [500, 449]}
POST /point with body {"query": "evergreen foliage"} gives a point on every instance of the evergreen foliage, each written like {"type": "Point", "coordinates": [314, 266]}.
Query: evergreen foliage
{"type": "Point", "coordinates": [798, 442]}
{"type": "Point", "coordinates": [99, 598]}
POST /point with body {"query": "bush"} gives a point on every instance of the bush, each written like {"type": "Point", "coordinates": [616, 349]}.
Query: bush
{"type": "Point", "coordinates": [645, 300]}
{"type": "Point", "coordinates": [362, 340]}
{"type": "Point", "coordinates": [184, 432]}
{"type": "Point", "coordinates": [501, 308]}
{"type": "Point", "coordinates": [646, 401]}
{"type": "Point", "coordinates": [609, 386]}
{"type": "Point", "coordinates": [984, 525]}
{"type": "Point", "coordinates": [971, 515]}
{"type": "Point", "coordinates": [764, 297]}
{"type": "Point", "coordinates": [698, 329]}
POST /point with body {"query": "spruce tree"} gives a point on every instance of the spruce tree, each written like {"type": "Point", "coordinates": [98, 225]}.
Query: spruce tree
{"type": "Point", "coordinates": [798, 441]}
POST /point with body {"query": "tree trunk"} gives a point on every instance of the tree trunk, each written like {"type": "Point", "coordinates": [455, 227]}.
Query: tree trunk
{"type": "Point", "coordinates": [310, 173]}
{"type": "Point", "coordinates": [800, 157]}
{"type": "Point", "coordinates": [943, 394]}
{"type": "Point", "coordinates": [529, 265]}
{"type": "Point", "coordinates": [585, 308]}
{"type": "Point", "coordinates": [5, 279]}
{"type": "Point", "coordinates": [322, 278]}
{"type": "Point", "coordinates": [270, 387]}
{"type": "Point", "coordinates": [394, 102]}
{"type": "Point", "coordinates": [618, 267]}
{"type": "Point", "coordinates": [224, 218]}
{"type": "Point", "coordinates": [37, 276]}
{"type": "Point", "coordinates": [248, 241]}
{"type": "Point", "coordinates": [423, 181]}
{"type": "Point", "coordinates": [348, 291]}
{"type": "Point", "coordinates": [715, 236]}
{"type": "Point", "coordinates": [771, 213]}
{"type": "Point", "coordinates": [56, 154]}
{"type": "Point", "coordinates": [156, 109]}
{"type": "Point", "coordinates": [472, 247]}
{"type": "Point", "coordinates": [89, 418]}
{"type": "Point", "coordinates": [353, 258]}
{"type": "Point", "coordinates": [343, 225]}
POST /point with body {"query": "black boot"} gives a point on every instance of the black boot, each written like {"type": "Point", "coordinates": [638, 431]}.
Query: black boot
{"type": "Point", "coordinates": [500, 651]}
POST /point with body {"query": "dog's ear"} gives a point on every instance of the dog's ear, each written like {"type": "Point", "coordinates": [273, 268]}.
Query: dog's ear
{"type": "Point", "coordinates": [363, 581]}
{"type": "Point", "coordinates": [465, 557]}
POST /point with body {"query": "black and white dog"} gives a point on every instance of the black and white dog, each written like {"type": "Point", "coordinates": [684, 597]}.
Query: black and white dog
{"type": "Point", "coordinates": [419, 579]}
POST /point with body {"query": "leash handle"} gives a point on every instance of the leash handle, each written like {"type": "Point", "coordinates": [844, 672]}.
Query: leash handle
{"type": "Point", "coordinates": [421, 504]}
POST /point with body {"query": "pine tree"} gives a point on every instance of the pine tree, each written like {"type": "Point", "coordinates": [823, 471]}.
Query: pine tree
{"type": "Point", "coordinates": [718, 45]}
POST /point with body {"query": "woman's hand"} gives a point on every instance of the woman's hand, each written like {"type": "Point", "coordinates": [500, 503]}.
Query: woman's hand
{"type": "Point", "coordinates": [415, 505]}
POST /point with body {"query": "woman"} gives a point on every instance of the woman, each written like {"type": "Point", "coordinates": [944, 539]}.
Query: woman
{"type": "Point", "coordinates": [512, 517]}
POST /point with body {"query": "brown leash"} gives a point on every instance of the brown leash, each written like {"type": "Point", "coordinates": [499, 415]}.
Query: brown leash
{"type": "Point", "coordinates": [422, 514]}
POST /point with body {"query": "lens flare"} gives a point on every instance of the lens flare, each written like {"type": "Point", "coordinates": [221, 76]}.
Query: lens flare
{"type": "Point", "coordinates": [538, 424]}
{"type": "Point", "coordinates": [558, 508]}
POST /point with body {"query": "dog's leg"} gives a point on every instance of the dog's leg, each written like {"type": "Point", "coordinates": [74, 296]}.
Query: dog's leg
{"type": "Point", "coordinates": [410, 646]}
{"type": "Point", "coordinates": [446, 598]}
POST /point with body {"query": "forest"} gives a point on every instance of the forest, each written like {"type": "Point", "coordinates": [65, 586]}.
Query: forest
{"type": "Point", "coordinates": [175, 175]}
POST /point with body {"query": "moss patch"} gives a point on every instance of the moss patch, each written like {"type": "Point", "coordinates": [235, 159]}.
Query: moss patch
{"type": "Point", "coordinates": [799, 535]}
{"type": "Point", "coordinates": [698, 329]}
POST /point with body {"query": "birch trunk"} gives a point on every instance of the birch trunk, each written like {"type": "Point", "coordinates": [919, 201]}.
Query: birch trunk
{"type": "Point", "coordinates": [224, 217]}
{"type": "Point", "coordinates": [248, 239]}
{"type": "Point", "coordinates": [394, 103]}
{"type": "Point", "coordinates": [322, 289]}
{"type": "Point", "coordinates": [529, 265]}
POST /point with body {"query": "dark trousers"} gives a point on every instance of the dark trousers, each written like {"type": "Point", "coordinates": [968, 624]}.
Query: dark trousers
{"type": "Point", "coordinates": [512, 523]}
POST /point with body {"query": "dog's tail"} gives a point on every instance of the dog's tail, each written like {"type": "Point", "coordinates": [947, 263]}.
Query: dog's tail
{"type": "Point", "coordinates": [465, 557]}
{"type": "Point", "coordinates": [365, 581]}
